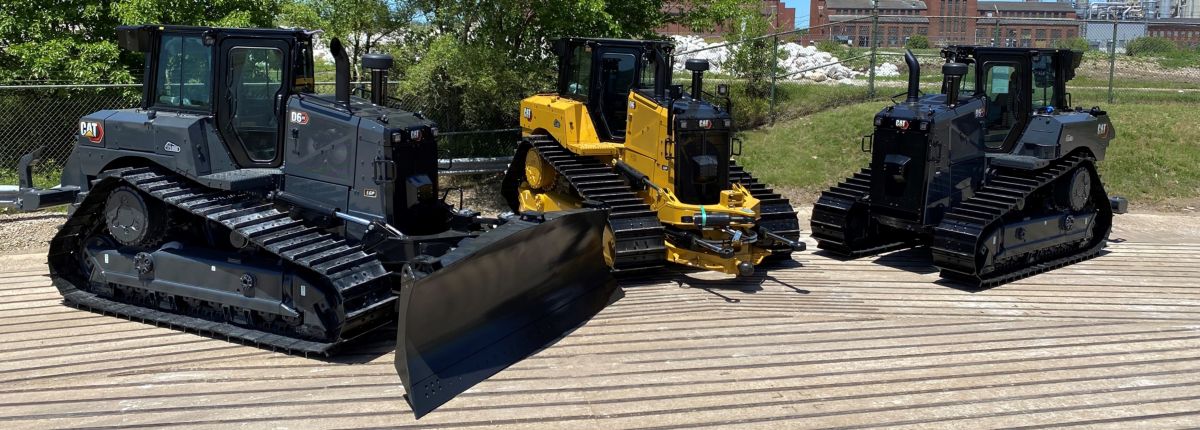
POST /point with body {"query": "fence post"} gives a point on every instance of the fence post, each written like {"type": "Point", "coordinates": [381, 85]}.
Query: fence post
{"type": "Point", "coordinates": [874, 47]}
{"type": "Point", "coordinates": [1112, 60]}
{"type": "Point", "coordinates": [774, 73]}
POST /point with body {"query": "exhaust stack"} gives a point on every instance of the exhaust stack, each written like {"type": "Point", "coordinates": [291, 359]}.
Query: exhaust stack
{"type": "Point", "coordinates": [341, 72]}
{"type": "Point", "coordinates": [914, 76]}
{"type": "Point", "coordinates": [697, 66]}
{"type": "Point", "coordinates": [378, 64]}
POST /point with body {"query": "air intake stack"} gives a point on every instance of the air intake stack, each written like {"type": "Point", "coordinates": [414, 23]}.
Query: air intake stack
{"type": "Point", "coordinates": [697, 66]}
{"type": "Point", "coordinates": [378, 64]}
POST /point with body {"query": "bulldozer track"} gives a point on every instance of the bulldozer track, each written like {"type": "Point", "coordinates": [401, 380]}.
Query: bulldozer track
{"type": "Point", "coordinates": [833, 219]}
{"type": "Point", "coordinates": [957, 238]}
{"type": "Point", "coordinates": [635, 226]}
{"type": "Point", "coordinates": [354, 275]}
{"type": "Point", "coordinates": [775, 212]}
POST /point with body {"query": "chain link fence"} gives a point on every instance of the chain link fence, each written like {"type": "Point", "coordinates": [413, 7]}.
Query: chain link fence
{"type": "Point", "coordinates": [860, 57]}
{"type": "Point", "coordinates": [865, 47]}
{"type": "Point", "coordinates": [34, 116]}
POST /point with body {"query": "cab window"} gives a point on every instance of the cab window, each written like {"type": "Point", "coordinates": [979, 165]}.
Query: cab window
{"type": "Point", "coordinates": [184, 73]}
{"type": "Point", "coordinates": [618, 75]}
{"type": "Point", "coordinates": [579, 78]}
{"type": "Point", "coordinates": [255, 87]}
{"type": "Point", "coordinates": [649, 73]}
{"type": "Point", "coordinates": [1044, 76]}
{"type": "Point", "coordinates": [1002, 87]}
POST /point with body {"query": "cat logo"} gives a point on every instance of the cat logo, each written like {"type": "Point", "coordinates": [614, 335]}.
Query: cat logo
{"type": "Point", "coordinates": [300, 118]}
{"type": "Point", "coordinates": [1102, 129]}
{"type": "Point", "coordinates": [93, 131]}
{"type": "Point", "coordinates": [171, 147]}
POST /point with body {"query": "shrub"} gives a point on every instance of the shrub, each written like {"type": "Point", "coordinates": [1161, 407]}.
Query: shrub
{"type": "Point", "coordinates": [1149, 45]}
{"type": "Point", "coordinates": [1075, 44]}
{"type": "Point", "coordinates": [917, 42]}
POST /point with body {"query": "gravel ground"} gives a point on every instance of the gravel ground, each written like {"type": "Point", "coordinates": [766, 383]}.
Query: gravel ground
{"type": "Point", "coordinates": [28, 232]}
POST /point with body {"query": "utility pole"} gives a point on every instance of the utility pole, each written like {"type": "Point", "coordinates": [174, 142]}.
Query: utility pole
{"type": "Point", "coordinates": [874, 47]}
{"type": "Point", "coordinates": [1112, 60]}
{"type": "Point", "coordinates": [996, 40]}
{"type": "Point", "coordinates": [774, 72]}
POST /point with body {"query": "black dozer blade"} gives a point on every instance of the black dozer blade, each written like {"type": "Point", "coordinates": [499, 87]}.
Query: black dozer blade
{"type": "Point", "coordinates": [497, 299]}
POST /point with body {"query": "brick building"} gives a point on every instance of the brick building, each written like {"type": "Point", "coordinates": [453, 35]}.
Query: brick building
{"type": "Point", "coordinates": [944, 22]}
{"type": "Point", "coordinates": [1025, 24]}
{"type": "Point", "coordinates": [781, 18]}
{"type": "Point", "coordinates": [1185, 32]}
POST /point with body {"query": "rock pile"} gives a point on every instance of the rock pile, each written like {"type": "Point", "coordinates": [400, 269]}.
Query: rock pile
{"type": "Point", "coordinates": [797, 62]}
{"type": "Point", "coordinates": [887, 70]}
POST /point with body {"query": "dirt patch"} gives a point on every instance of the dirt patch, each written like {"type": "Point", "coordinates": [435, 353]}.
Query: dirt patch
{"type": "Point", "coordinates": [479, 192]}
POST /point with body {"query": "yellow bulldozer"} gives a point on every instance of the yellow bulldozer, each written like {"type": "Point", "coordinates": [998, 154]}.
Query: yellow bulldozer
{"type": "Point", "coordinates": [617, 134]}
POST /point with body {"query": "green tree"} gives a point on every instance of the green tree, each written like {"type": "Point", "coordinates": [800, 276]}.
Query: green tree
{"type": "Point", "coordinates": [61, 41]}
{"type": "Point", "coordinates": [216, 13]}
{"type": "Point", "coordinates": [363, 25]}
{"type": "Point", "coordinates": [470, 61]}
{"type": "Point", "coordinates": [75, 40]}
{"type": "Point", "coordinates": [753, 61]}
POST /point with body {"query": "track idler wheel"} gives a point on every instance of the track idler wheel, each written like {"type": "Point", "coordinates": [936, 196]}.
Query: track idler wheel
{"type": "Point", "coordinates": [539, 174]}
{"type": "Point", "coordinates": [1076, 192]}
{"type": "Point", "coordinates": [132, 219]}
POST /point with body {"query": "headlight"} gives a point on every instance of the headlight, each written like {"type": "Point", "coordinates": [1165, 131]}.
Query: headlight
{"type": "Point", "coordinates": [397, 137]}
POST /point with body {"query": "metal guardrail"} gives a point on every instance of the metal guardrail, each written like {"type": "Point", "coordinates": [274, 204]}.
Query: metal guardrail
{"type": "Point", "coordinates": [473, 166]}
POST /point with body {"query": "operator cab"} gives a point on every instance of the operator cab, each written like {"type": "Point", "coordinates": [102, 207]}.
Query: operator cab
{"type": "Point", "coordinates": [260, 68]}
{"type": "Point", "coordinates": [1015, 84]}
{"type": "Point", "coordinates": [601, 72]}
{"type": "Point", "coordinates": [242, 103]}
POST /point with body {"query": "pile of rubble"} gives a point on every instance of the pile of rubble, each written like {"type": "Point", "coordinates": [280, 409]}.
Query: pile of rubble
{"type": "Point", "coordinates": [797, 62]}
{"type": "Point", "coordinates": [887, 70]}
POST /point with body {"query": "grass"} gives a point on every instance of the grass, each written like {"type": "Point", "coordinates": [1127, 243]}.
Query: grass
{"type": "Point", "coordinates": [1155, 159]}
{"type": "Point", "coordinates": [812, 152]}
{"type": "Point", "coordinates": [794, 100]}
{"type": "Point", "coordinates": [42, 178]}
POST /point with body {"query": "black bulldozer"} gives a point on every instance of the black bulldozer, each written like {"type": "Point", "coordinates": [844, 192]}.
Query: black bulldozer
{"type": "Point", "coordinates": [235, 201]}
{"type": "Point", "coordinates": [996, 175]}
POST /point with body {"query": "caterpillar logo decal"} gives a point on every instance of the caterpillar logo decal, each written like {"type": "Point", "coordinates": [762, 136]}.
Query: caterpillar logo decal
{"type": "Point", "coordinates": [93, 131]}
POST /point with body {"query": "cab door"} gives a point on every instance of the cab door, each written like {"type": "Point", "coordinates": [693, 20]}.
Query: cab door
{"type": "Point", "coordinates": [1004, 82]}
{"type": "Point", "coordinates": [252, 92]}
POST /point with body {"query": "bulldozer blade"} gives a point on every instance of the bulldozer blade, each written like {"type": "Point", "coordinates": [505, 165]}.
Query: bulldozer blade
{"type": "Point", "coordinates": [497, 299]}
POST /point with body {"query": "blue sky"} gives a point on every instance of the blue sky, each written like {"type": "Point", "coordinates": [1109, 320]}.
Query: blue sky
{"type": "Point", "coordinates": [801, 11]}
